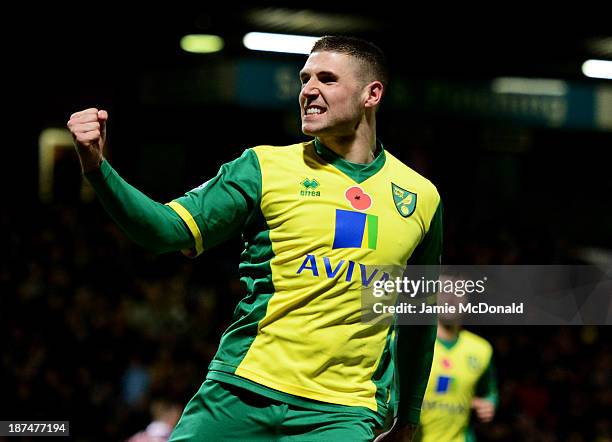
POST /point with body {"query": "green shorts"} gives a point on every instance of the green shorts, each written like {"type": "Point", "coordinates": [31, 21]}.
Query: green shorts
{"type": "Point", "coordinates": [223, 412]}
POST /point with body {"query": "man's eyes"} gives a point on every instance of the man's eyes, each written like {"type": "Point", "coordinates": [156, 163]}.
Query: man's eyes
{"type": "Point", "coordinates": [325, 80]}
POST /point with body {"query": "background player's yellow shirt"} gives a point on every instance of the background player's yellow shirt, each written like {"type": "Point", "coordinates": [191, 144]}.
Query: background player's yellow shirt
{"type": "Point", "coordinates": [456, 370]}
{"type": "Point", "coordinates": [315, 228]}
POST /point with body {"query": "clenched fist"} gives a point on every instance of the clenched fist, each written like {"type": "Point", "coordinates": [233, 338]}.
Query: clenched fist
{"type": "Point", "coordinates": [88, 129]}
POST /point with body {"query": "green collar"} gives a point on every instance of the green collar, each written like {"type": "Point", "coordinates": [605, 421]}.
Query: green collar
{"type": "Point", "coordinates": [448, 344]}
{"type": "Point", "coordinates": [357, 172]}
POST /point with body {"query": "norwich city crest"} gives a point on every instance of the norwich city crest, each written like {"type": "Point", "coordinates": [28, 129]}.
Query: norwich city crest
{"type": "Point", "coordinates": [405, 201]}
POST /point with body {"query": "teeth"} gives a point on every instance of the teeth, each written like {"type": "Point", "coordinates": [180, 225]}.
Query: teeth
{"type": "Point", "coordinates": [313, 110]}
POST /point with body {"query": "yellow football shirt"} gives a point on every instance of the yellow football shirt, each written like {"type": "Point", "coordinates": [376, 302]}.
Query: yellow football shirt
{"type": "Point", "coordinates": [316, 230]}
{"type": "Point", "coordinates": [456, 372]}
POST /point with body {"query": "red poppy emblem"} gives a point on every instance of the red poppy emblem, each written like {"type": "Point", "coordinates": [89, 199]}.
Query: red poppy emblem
{"type": "Point", "coordinates": [358, 198]}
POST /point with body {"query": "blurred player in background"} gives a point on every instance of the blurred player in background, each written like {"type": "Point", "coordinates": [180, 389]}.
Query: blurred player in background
{"type": "Point", "coordinates": [316, 218]}
{"type": "Point", "coordinates": [165, 414]}
{"type": "Point", "coordinates": [462, 379]}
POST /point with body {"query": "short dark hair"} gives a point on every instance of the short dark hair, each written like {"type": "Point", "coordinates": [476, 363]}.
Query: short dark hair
{"type": "Point", "coordinates": [365, 51]}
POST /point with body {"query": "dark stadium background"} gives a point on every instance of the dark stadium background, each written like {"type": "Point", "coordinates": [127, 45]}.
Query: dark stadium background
{"type": "Point", "coordinates": [81, 306]}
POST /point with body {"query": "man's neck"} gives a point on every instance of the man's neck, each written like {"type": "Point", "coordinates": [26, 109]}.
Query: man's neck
{"type": "Point", "coordinates": [358, 149]}
{"type": "Point", "coordinates": [448, 332]}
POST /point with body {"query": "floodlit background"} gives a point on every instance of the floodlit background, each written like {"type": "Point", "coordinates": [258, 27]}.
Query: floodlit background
{"type": "Point", "coordinates": [504, 117]}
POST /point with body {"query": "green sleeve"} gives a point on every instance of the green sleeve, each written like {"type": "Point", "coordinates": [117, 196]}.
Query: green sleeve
{"type": "Point", "coordinates": [153, 225]}
{"type": "Point", "coordinates": [415, 343]}
{"type": "Point", "coordinates": [223, 205]}
{"type": "Point", "coordinates": [429, 251]}
{"type": "Point", "coordinates": [486, 387]}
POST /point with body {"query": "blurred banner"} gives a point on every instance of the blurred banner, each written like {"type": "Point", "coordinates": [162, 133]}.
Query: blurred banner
{"type": "Point", "coordinates": [270, 84]}
{"type": "Point", "coordinates": [543, 103]}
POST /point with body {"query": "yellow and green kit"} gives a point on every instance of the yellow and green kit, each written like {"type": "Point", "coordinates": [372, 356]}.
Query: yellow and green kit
{"type": "Point", "coordinates": [461, 370]}
{"type": "Point", "coordinates": [316, 229]}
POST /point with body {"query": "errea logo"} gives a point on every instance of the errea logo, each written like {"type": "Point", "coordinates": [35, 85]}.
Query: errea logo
{"type": "Point", "coordinates": [309, 187]}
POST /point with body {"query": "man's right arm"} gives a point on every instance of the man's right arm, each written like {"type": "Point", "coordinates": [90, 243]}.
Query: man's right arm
{"type": "Point", "coordinates": [200, 219]}
{"type": "Point", "coordinates": [152, 225]}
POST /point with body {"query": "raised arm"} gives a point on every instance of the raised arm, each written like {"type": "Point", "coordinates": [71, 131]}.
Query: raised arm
{"type": "Point", "coordinates": [200, 219]}
{"type": "Point", "coordinates": [153, 225]}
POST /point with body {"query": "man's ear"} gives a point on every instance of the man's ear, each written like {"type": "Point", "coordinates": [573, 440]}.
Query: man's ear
{"type": "Point", "coordinates": [374, 93]}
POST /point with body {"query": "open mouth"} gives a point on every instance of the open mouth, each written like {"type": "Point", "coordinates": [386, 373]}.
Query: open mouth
{"type": "Point", "coordinates": [314, 110]}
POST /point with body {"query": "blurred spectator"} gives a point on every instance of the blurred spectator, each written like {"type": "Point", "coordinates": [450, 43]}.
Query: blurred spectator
{"type": "Point", "coordinates": [165, 416]}
{"type": "Point", "coordinates": [135, 382]}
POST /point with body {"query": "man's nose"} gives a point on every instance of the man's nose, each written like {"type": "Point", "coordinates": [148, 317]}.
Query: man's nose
{"type": "Point", "coordinates": [310, 89]}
